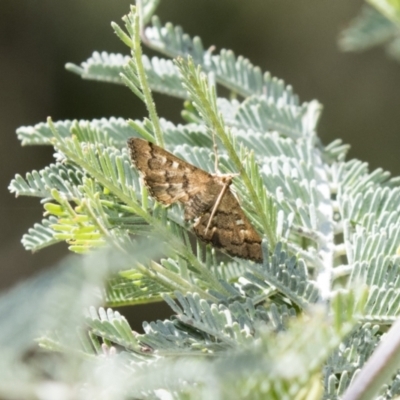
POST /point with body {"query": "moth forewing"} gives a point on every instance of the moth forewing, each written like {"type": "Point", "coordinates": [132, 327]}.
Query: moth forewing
{"type": "Point", "coordinates": [207, 198]}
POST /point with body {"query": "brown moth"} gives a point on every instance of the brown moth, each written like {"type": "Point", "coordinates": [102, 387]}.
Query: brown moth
{"type": "Point", "coordinates": [207, 198]}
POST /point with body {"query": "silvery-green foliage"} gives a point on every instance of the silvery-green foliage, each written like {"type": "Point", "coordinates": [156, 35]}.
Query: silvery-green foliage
{"type": "Point", "coordinates": [372, 27]}
{"type": "Point", "coordinates": [302, 323]}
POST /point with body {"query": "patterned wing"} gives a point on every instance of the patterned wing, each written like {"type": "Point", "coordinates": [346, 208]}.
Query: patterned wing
{"type": "Point", "coordinates": [230, 230]}
{"type": "Point", "coordinates": [171, 179]}
{"type": "Point", "coordinates": [168, 178]}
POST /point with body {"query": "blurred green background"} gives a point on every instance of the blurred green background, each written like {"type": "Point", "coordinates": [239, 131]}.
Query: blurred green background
{"type": "Point", "coordinates": [296, 40]}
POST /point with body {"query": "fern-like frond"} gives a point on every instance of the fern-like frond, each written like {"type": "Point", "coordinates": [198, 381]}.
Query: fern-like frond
{"type": "Point", "coordinates": [288, 275]}
{"type": "Point", "coordinates": [217, 327]}
{"type": "Point", "coordinates": [105, 67]}
{"type": "Point", "coordinates": [263, 115]}
{"type": "Point", "coordinates": [41, 133]}
{"type": "Point", "coordinates": [133, 288]}
{"type": "Point", "coordinates": [108, 166]}
{"type": "Point", "coordinates": [381, 275]}
{"type": "Point", "coordinates": [267, 367]}
{"type": "Point", "coordinates": [289, 180]}
{"type": "Point", "coordinates": [348, 358]}
{"type": "Point", "coordinates": [266, 145]}
{"type": "Point", "coordinates": [371, 208]}
{"type": "Point", "coordinates": [366, 245]}
{"type": "Point", "coordinates": [63, 178]}
{"type": "Point", "coordinates": [112, 326]}
{"type": "Point", "coordinates": [370, 28]}
{"type": "Point", "coordinates": [163, 77]}
{"type": "Point", "coordinates": [383, 306]}
{"type": "Point", "coordinates": [112, 131]}
{"type": "Point", "coordinates": [115, 132]}
{"type": "Point", "coordinates": [41, 235]}
{"type": "Point", "coordinates": [81, 231]}
{"type": "Point", "coordinates": [353, 176]}
{"type": "Point", "coordinates": [235, 73]}
{"type": "Point", "coordinates": [368, 205]}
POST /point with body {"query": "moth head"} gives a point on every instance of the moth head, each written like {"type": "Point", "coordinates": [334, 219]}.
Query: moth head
{"type": "Point", "coordinates": [225, 179]}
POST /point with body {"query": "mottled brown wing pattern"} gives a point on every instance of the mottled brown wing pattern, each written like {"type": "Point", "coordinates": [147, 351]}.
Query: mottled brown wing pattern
{"type": "Point", "coordinates": [171, 179]}
{"type": "Point", "coordinates": [168, 178]}
{"type": "Point", "coordinates": [230, 230]}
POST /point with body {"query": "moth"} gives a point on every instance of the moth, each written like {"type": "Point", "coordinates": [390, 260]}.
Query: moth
{"type": "Point", "coordinates": [207, 199]}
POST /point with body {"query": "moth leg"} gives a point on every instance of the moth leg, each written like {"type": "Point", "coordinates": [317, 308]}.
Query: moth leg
{"type": "Point", "coordinates": [217, 203]}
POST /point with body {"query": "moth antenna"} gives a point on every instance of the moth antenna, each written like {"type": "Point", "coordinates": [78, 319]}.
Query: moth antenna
{"type": "Point", "coordinates": [215, 148]}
